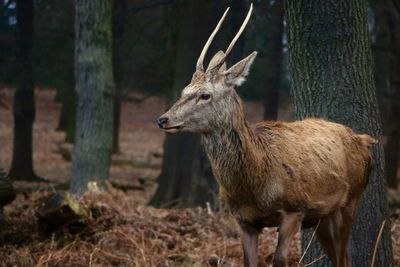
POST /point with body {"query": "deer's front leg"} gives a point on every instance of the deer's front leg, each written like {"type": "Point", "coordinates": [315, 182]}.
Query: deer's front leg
{"type": "Point", "coordinates": [250, 246]}
{"type": "Point", "coordinates": [289, 226]}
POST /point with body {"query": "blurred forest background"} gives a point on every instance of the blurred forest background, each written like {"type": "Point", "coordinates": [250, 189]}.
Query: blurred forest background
{"type": "Point", "coordinates": [104, 71]}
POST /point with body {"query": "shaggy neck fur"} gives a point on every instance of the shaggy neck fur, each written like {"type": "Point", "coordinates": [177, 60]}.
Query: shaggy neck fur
{"type": "Point", "coordinates": [232, 150]}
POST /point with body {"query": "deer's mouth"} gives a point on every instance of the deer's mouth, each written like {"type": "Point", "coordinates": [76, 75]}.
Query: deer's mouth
{"type": "Point", "coordinates": [172, 129]}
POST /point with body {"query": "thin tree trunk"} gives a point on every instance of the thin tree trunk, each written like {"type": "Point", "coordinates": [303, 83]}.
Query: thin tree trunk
{"type": "Point", "coordinates": [66, 91]}
{"type": "Point", "coordinates": [63, 119]}
{"type": "Point", "coordinates": [94, 88]}
{"type": "Point", "coordinates": [67, 120]}
{"type": "Point", "coordinates": [24, 102]}
{"type": "Point", "coordinates": [273, 60]}
{"type": "Point", "coordinates": [331, 67]}
{"type": "Point", "coordinates": [387, 58]}
{"type": "Point", "coordinates": [392, 148]}
{"type": "Point", "coordinates": [119, 21]}
{"type": "Point", "coordinates": [186, 177]}
{"type": "Point", "coordinates": [382, 56]}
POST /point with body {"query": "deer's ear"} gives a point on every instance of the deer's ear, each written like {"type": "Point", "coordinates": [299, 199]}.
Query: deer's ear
{"type": "Point", "coordinates": [215, 61]}
{"type": "Point", "coordinates": [236, 75]}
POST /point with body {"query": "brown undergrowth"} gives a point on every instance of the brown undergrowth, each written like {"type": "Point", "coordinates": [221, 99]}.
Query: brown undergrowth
{"type": "Point", "coordinates": [124, 233]}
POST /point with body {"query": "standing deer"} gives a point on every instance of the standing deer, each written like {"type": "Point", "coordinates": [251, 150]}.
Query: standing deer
{"type": "Point", "coordinates": [308, 173]}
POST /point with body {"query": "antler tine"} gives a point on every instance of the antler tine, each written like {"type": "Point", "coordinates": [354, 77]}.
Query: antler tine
{"type": "Point", "coordinates": [246, 20]}
{"type": "Point", "coordinates": [199, 65]}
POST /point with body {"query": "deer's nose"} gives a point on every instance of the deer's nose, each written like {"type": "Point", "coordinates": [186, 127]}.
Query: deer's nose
{"type": "Point", "coordinates": [162, 121]}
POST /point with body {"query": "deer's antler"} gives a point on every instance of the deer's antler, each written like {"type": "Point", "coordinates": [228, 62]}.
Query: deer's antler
{"type": "Point", "coordinates": [199, 65]}
{"type": "Point", "coordinates": [244, 24]}
{"type": "Point", "coordinates": [217, 62]}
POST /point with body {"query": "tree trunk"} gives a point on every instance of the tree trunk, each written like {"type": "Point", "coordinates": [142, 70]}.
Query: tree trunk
{"type": "Point", "coordinates": [119, 22]}
{"type": "Point", "coordinates": [24, 100]}
{"type": "Point", "coordinates": [381, 56]}
{"type": "Point", "coordinates": [273, 60]}
{"type": "Point", "coordinates": [331, 67]}
{"type": "Point", "coordinates": [392, 147]}
{"type": "Point", "coordinates": [94, 88]}
{"type": "Point", "coordinates": [67, 120]}
{"type": "Point", "coordinates": [387, 57]}
{"type": "Point", "coordinates": [7, 194]}
{"type": "Point", "coordinates": [186, 177]}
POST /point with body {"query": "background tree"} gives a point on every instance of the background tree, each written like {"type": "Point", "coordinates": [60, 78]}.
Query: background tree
{"type": "Point", "coordinates": [53, 55]}
{"type": "Point", "coordinates": [269, 80]}
{"type": "Point", "coordinates": [94, 87]}
{"type": "Point", "coordinates": [392, 147]}
{"type": "Point", "coordinates": [273, 58]}
{"type": "Point", "coordinates": [7, 41]}
{"type": "Point", "coordinates": [186, 175]}
{"type": "Point", "coordinates": [238, 12]}
{"type": "Point", "coordinates": [386, 51]}
{"type": "Point", "coordinates": [7, 194]}
{"type": "Point", "coordinates": [331, 68]}
{"type": "Point", "coordinates": [119, 22]}
{"type": "Point", "coordinates": [24, 102]}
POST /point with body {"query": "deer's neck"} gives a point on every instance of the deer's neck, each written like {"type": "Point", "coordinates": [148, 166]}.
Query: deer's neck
{"type": "Point", "coordinates": [232, 150]}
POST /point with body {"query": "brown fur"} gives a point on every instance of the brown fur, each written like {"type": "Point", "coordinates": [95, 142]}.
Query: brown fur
{"type": "Point", "coordinates": [302, 172]}
{"type": "Point", "coordinates": [283, 174]}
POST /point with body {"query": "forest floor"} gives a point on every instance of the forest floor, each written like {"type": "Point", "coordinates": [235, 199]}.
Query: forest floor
{"type": "Point", "coordinates": [122, 230]}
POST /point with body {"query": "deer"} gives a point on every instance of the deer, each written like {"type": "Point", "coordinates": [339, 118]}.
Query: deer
{"type": "Point", "coordinates": [291, 175]}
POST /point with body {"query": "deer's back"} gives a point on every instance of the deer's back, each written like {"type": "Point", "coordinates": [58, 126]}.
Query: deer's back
{"type": "Point", "coordinates": [318, 164]}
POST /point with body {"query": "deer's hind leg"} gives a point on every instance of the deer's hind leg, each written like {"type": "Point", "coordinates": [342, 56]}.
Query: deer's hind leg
{"type": "Point", "coordinates": [289, 226]}
{"type": "Point", "coordinates": [348, 215]}
{"type": "Point", "coordinates": [328, 234]}
{"type": "Point", "coordinates": [334, 232]}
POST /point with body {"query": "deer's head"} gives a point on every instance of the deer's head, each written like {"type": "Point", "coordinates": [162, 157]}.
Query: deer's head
{"type": "Point", "coordinates": [207, 101]}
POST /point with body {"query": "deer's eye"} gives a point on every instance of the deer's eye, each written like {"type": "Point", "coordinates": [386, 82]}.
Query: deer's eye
{"type": "Point", "coordinates": [205, 96]}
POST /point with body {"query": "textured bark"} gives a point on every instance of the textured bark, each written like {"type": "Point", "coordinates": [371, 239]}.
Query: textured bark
{"type": "Point", "coordinates": [24, 102]}
{"type": "Point", "coordinates": [186, 177]}
{"type": "Point", "coordinates": [119, 22]}
{"type": "Point", "coordinates": [94, 88]}
{"type": "Point", "coordinates": [273, 60]}
{"type": "Point", "coordinates": [331, 68]}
